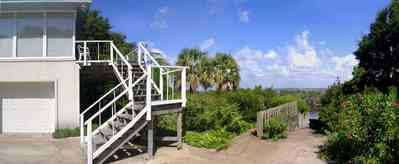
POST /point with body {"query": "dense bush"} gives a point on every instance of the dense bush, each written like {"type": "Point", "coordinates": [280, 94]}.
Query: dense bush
{"type": "Point", "coordinates": [367, 130]}
{"type": "Point", "coordinates": [251, 101]}
{"type": "Point", "coordinates": [302, 105]}
{"type": "Point", "coordinates": [275, 129]}
{"type": "Point", "coordinates": [212, 111]}
{"type": "Point", "coordinates": [213, 139]}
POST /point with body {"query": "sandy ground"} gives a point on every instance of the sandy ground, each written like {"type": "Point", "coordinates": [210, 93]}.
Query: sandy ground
{"type": "Point", "coordinates": [300, 147]}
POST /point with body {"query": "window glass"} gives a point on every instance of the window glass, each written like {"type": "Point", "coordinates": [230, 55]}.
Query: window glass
{"type": "Point", "coordinates": [7, 24]}
{"type": "Point", "coordinates": [30, 28]}
{"type": "Point", "coordinates": [59, 34]}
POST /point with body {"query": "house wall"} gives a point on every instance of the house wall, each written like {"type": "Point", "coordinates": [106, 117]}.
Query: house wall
{"type": "Point", "coordinates": [64, 74]}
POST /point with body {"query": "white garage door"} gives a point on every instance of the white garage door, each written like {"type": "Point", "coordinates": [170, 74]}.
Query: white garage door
{"type": "Point", "coordinates": [27, 107]}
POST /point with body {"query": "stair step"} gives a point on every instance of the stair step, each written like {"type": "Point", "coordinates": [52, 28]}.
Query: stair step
{"type": "Point", "coordinates": [129, 135]}
{"type": "Point", "coordinates": [116, 124]}
{"type": "Point", "coordinates": [125, 116]}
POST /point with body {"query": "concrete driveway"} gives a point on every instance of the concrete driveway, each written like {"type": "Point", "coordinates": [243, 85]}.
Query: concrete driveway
{"type": "Point", "coordinates": [39, 150]}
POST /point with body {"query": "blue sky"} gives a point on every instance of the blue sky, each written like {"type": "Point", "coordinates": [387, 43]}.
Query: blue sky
{"type": "Point", "coordinates": [279, 43]}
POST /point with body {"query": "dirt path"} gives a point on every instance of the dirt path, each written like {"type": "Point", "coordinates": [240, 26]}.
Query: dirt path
{"type": "Point", "coordinates": [300, 147]}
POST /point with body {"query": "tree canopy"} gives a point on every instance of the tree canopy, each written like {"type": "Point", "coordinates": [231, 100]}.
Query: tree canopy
{"type": "Point", "coordinates": [378, 51]}
{"type": "Point", "coordinates": [221, 71]}
{"type": "Point", "coordinates": [90, 25]}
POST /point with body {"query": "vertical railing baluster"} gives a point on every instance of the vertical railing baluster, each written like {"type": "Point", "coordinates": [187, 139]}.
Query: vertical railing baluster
{"type": "Point", "coordinates": [161, 82]}
{"type": "Point", "coordinates": [148, 92]}
{"type": "Point", "coordinates": [85, 52]}
{"type": "Point", "coordinates": [81, 130]}
{"type": "Point", "coordinates": [167, 86]}
{"type": "Point", "coordinates": [98, 50]}
{"type": "Point", "coordinates": [183, 87]}
{"type": "Point", "coordinates": [173, 86]}
{"type": "Point", "coordinates": [89, 144]}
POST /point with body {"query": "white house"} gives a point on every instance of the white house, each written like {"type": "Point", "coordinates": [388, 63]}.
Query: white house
{"type": "Point", "coordinates": [39, 82]}
{"type": "Point", "coordinates": [40, 75]}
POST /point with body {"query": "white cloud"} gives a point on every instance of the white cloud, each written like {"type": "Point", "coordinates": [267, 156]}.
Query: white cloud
{"type": "Point", "coordinates": [159, 21]}
{"type": "Point", "coordinates": [206, 44]}
{"type": "Point", "coordinates": [343, 64]}
{"type": "Point", "coordinates": [300, 64]}
{"type": "Point", "coordinates": [271, 55]}
{"type": "Point", "coordinates": [244, 16]}
{"type": "Point", "coordinates": [302, 56]}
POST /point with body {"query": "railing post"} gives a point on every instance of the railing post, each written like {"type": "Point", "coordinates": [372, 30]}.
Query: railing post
{"type": "Point", "coordinates": [161, 82]}
{"type": "Point", "coordinates": [89, 144]}
{"type": "Point", "coordinates": [259, 123]}
{"type": "Point", "coordinates": [183, 87]}
{"type": "Point", "coordinates": [85, 52]}
{"type": "Point", "coordinates": [111, 48]}
{"type": "Point", "coordinates": [130, 83]}
{"type": "Point", "coordinates": [148, 92]}
{"type": "Point", "coordinates": [82, 140]}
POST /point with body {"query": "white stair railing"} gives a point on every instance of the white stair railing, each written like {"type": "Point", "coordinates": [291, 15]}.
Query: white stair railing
{"type": "Point", "coordinates": [165, 80]}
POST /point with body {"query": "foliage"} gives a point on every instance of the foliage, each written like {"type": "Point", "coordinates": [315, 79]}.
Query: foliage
{"type": "Point", "coordinates": [193, 59]}
{"type": "Point", "coordinates": [302, 105]}
{"type": "Point", "coordinates": [66, 132]}
{"type": "Point", "coordinates": [226, 71]}
{"type": "Point", "coordinates": [377, 52]}
{"type": "Point", "coordinates": [221, 71]}
{"type": "Point", "coordinates": [212, 111]}
{"type": "Point", "coordinates": [90, 25]}
{"type": "Point", "coordinates": [367, 130]}
{"type": "Point", "coordinates": [251, 101]}
{"type": "Point", "coordinates": [213, 139]}
{"type": "Point", "coordinates": [275, 129]}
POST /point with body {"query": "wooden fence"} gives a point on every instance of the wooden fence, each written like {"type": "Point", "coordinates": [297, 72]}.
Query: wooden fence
{"type": "Point", "coordinates": [287, 112]}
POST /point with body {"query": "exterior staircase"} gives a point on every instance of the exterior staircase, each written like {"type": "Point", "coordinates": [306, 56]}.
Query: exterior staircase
{"type": "Point", "coordinates": [121, 114]}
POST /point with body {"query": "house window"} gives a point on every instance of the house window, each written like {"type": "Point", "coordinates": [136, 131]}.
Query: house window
{"type": "Point", "coordinates": [59, 34]}
{"type": "Point", "coordinates": [37, 34]}
{"type": "Point", "coordinates": [30, 31]}
{"type": "Point", "coordinates": [7, 24]}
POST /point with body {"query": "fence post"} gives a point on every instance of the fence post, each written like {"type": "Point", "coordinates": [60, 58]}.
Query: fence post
{"type": "Point", "coordinates": [259, 124]}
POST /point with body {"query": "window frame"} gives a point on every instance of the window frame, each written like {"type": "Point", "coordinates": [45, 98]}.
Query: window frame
{"type": "Point", "coordinates": [44, 56]}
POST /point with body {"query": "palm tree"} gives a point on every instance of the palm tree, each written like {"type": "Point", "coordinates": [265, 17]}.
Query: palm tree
{"type": "Point", "coordinates": [207, 78]}
{"type": "Point", "coordinates": [192, 58]}
{"type": "Point", "coordinates": [227, 72]}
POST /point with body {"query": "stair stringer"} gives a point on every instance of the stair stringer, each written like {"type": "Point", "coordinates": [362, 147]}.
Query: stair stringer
{"type": "Point", "coordinates": [120, 133]}
{"type": "Point", "coordinates": [125, 140]}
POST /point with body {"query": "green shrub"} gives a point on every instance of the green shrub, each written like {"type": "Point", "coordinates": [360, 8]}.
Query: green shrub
{"type": "Point", "coordinates": [212, 111]}
{"type": "Point", "coordinates": [275, 129]}
{"type": "Point", "coordinates": [66, 132]}
{"type": "Point", "coordinates": [302, 105]}
{"type": "Point", "coordinates": [367, 130]}
{"type": "Point", "coordinates": [213, 139]}
{"type": "Point", "coordinates": [250, 101]}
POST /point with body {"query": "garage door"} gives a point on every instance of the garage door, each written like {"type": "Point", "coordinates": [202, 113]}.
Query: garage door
{"type": "Point", "coordinates": [27, 107]}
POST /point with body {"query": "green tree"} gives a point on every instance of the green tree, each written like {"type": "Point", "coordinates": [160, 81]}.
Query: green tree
{"type": "Point", "coordinates": [207, 77]}
{"type": "Point", "coordinates": [90, 25]}
{"type": "Point", "coordinates": [378, 51]}
{"type": "Point", "coordinates": [226, 71]}
{"type": "Point", "coordinates": [192, 58]}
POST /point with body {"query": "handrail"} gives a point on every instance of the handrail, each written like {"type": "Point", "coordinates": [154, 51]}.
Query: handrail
{"type": "Point", "coordinates": [149, 54]}
{"type": "Point", "coordinates": [111, 118]}
{"type": "Point", "coordinates": [115, 99]}
{"type": "Point", "coordinates": [121, 56]}
{"type": "Point", "coordinates": [101, 98]}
